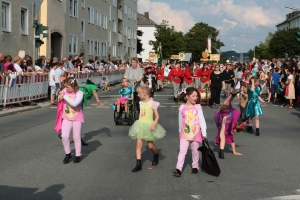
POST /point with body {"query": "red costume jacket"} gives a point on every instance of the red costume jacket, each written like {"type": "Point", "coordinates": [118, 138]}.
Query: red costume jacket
{"type": "Point", "coordinates": [175, 75]}
{"type": "Point", "coordinates": [187, 77]}
{"type": "Point", "coordinates": [204, 75]}
{"type": "Point", "coordinates": [160, 74]}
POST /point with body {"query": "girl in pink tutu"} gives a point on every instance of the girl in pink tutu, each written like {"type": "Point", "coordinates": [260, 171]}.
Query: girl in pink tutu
{"type": "Point", "coordinates": [126, 94]}
{"type": "Point", "coordinates": [226, 120]}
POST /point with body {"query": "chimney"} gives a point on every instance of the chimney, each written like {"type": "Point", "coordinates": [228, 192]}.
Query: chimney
{"type": "Point", "coordinates": [146, 15]}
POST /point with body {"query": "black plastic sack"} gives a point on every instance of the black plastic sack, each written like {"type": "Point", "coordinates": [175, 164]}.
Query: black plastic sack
{"type": "Point", "coordinates": [209, 161]}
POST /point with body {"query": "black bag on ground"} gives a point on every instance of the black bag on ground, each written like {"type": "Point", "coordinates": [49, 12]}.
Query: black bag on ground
{"type": "Point", "coordinates": [209, 161]}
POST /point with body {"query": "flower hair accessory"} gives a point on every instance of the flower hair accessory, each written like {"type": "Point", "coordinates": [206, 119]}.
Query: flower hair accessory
{"type": "Point", "coordinates": [182, 91]}
{"type": "Point", "coordinates": [73, 81]}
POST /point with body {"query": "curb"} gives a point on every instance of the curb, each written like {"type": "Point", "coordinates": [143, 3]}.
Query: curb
{"type": "Point", "coordinates": [19, 111]}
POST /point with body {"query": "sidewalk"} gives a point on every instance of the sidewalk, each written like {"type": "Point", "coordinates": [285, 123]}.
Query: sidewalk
{"type": "Point", "coordinates": [17, 110]}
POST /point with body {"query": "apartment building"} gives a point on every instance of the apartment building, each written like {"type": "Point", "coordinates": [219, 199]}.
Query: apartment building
{"type": "Point", "coordinates": [103, 28]}
{"type": "Point", "coordinates": [16, 31]}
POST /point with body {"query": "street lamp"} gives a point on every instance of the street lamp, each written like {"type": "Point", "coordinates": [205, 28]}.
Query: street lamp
{"type": "Point", "coordinates": [261, 26]}
{"type": "Point", "coordinates": [237, 51]}
{"type": "Point", "coordinates": [292, 8]}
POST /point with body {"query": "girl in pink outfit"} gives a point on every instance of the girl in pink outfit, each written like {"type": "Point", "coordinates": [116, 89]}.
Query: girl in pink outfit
{"type": "Point", "coordinates": [72, 118]}
{"type": "Point", "coordinates": [192, 129]}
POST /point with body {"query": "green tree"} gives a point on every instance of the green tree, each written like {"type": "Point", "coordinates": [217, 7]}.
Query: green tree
{"type": "Point", "coordinates": [172, 42]}
{"type": "Point", "coordinates": [196, 38]}
{"type": "Point", "coordinates": [284, 41]}
{"type": "Point", "coordinates": [262, 50]}
{"type": "Point", "coordinates": [223, 57]}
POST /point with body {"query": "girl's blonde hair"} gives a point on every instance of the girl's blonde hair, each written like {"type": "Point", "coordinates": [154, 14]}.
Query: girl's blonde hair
{"type": "Point", "coordinates": [145, 89]}
{"type": "Point", "coordinates": [71, 81]}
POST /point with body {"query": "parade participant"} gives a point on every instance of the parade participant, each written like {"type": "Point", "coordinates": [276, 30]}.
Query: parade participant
{"type": "Point", "coordinates": [175, 76]}
{"type": "Point", "coordinates": [134, 74]}
{"type": "Point", "coordinates": [216, 83]}
{"type": "Point", "coordinates": [275, 79]}
{"type": "Point", "coordinates": [253, 108]}
{"type": "Point", "coordinates": [290, 88]}
{"type": "Point", "coordinates": [192, 129]}
{"type": "Point", "coordinates": [226, 120]}
{"type": "Point", "coordinates": [228, 75]}
{"type": "Point", "coordinates": [196, 77]}
{"type": "Point", "coordinates": [145, 128]}
{"type": "Point", "coordinates": [160, 77]}
{"type": "Point", "coordinates": [244, 95]}
{"type": "Point", "coordinates": [187, 77]}
{"type": "Point", "coordinates": [204, 74]}
{"type": "Point", "coordinates": [72, 118]}
{"type": "Point", "coordinates": [126, 94]}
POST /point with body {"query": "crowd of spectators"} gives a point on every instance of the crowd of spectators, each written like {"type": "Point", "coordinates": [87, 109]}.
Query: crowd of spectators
{"type": "Point", "coordinates": [57, 69]}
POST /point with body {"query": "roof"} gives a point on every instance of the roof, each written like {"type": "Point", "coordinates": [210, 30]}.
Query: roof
{"type": "Point", "coordinates": [296, 14]}
{"type": "Point", "coordinates": [142, 20]}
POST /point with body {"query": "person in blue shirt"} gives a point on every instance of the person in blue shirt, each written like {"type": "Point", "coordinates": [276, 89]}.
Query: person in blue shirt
{"type": "Point", "coordinates": [126, 94]}
{"type": "Point", "coordinates": [275, 79]}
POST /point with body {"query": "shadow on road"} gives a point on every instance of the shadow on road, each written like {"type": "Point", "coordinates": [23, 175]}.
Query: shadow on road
{"type": "Point", "coordinates": [148, 155]}
{"type": "Point", "coordinates": [12, 193]}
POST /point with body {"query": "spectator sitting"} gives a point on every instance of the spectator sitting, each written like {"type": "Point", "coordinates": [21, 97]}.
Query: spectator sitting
{"type": "Point", "coordinates": [105, 85]}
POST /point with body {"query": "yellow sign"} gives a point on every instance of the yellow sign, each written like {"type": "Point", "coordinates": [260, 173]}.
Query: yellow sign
{"type": "Point", "coordinates": [174, 57]}
{"type": "Point", "coordinates": [214, 57]}
{"type": "Point", "coordinates": [204, 56]}
{"type": "Point", "coordinates": [152, 56]}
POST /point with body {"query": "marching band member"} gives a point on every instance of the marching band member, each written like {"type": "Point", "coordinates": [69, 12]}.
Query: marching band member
{"type": "Point", "coordinates": [175, 76]}
{"type": "Point", "coordinates": [160, 77]}
{"type": "Point", "coordinates": [187, 77]}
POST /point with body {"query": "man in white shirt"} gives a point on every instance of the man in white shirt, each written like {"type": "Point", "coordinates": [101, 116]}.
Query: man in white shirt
{"type": "Point", "coordinates": [58, 77]}
{"type": "Point", "coordinates": [52, 83]}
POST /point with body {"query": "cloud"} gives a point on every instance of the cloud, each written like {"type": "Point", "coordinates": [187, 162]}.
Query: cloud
{"type": "Point", "coordinates": [246, 14]}
{"type": "Point", "coordinates": [158, 11]}
{"type": "Point", "coordinates": [232, 23]}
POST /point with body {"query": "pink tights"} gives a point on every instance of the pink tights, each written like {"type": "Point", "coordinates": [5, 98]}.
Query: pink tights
{"type": "Point", "coordinates": [184, 146]}
{"type": "Point", "coordinates": [67, 126]}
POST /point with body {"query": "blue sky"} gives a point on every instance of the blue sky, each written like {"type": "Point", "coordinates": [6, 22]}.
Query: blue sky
{"type": "Point", "coordinates": [232, 17]}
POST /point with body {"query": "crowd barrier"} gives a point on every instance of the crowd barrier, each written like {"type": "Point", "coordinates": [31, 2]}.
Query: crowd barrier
{"type": "Point", "coordinates": [34, 87]}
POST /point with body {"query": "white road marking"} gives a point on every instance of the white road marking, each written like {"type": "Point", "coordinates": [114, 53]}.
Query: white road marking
{"type": "Point", "coordinates": [196, 196]}
{"type": "Point", "coordinates": [288, 197]}
{"type": "Point", "coordinates": [162, 106]}
{"type": "Point", "coordinates": [52, 107]}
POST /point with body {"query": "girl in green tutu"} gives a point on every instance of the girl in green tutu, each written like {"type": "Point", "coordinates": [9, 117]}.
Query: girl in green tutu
{"type": "Point", "coordinates": [146, 128]}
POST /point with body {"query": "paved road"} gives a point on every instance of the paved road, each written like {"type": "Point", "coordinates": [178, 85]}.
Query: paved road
{"type": "Point", "coordinates": [31, 159]}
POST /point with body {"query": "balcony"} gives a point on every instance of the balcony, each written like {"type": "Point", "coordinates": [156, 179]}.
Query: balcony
{"type": "Point", "coordinates": [120, 38]}
{"type": "Point", "coordinates": [120, 14]}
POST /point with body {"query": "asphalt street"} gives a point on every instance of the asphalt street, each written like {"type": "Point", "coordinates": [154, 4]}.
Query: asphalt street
{"type": "Point", "coordinates": [31, 157]}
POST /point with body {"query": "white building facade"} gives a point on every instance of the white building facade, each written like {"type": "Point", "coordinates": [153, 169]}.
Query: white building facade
{"type": "Point", "coordinates": [292, 21]}
{"type": "Point", "coordinates": [147, 26]}
{"type": "Point", "coordinates": [106, 29]}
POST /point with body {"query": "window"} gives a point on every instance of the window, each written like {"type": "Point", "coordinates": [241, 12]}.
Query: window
{"type": "Point", "coordinates": [125, 30]}
{"type": "Point", "coordinates": [6, 16]}
{"type": "Point", "coordinates": [114, 50]}
{"type": "Point", "coordinates": [73, 44]}
{"type": "Point", "coordinates": [109, 12]}
{"type": "Point", "coordinates": [115, 3]}
{"type": "Point", "coordinates": [24, 21]}
{"type": "Point", "coordinates": [125, 9]}
{"type": "Point", "coordinates": [82, 31]}
{"type": "Point", "coordinates": [104, 21]}
{"type": "Point", "coordinates": [91, 15]}
{"type": "Point", "coordinates": [97, 48]}
{"type": "Point", "coordinates": [129, 12]}
{"type": "Point", "coordinates": [104, 50]}
{"type": "Point", "coordinates": [90, 47]}
{"type": "Point", "coordinates": [114, 25]}
{"type": "Point", "coordinates": [73, 8]}
{"type": "Point", "coordinates": [118, 51]}
{"type": "Point", "coordinates": [97, 18]}
{"type": "Point", "coordinates": [83, 3]}
{"type": "Point", "coordinates": [128, 32]}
